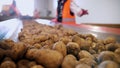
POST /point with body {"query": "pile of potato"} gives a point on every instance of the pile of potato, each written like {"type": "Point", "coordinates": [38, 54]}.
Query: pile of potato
{"type": "Point", "coordinates": [43, 46]}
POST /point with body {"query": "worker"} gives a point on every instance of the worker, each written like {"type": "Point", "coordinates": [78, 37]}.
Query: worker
{"type": "Point", "coordinates": [66, 11]}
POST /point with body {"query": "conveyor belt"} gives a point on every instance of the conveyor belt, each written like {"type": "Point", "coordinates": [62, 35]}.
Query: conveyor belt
{"type": "Point", "coordinates": [97, 33]}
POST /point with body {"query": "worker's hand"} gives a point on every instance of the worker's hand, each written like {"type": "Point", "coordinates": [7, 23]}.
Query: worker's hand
{"type": "Point", "coordinates": [82, 12]}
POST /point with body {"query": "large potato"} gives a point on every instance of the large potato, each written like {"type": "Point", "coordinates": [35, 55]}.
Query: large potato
{"type": "Point", "coordinates": [108, 64]}
{"type": "Point", "coordinates": [49, 58]}
{"type": "Point", "coordinates": [69, 62]}
{"type": "Point", "coordinates": [60, 47]}
{"type": "Point", "coordinates": [108, 55]}
{"type": "Point", "coordinates": [8, 64]}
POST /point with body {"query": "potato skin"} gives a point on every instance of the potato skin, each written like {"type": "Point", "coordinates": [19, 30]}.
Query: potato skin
{"type": "Point", "coordinates": [88, 61]}
{"type": "Point", "coordinates": [49, 58]}
{"type": "Point", "coordinates": [73, 48]}
{"type": "Point", "coordinates": [60, 47]}
{"type": "Point", "coordinates": [85, 54]}
{"type": "Point", "coordinates": [69, 61]}
{"type": "Point", "coordinates": [8, 64]}
{"type": "Point", "coordinates": [108, 64]}
{"type": "Point", "coordinates": [82, 66]}
{"type": "Point", "coordinates": [37, 66]}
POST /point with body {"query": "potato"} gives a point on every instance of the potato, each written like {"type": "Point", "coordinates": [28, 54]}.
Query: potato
{"type": "Point", "coordinates": [60, 47]}
{"type": "Point", "coordinates": [107, 55]}
{"type": "Point", "coordinates": [49, 58]}
{"type": "Point", "coordinates": [76, 39]}
{"type": "Point", "coordinates": [31, 54]}
{"type": "Point", "coordinates": [38, 46]}
{"type": "Point", "coordinates": [82, 66]}
{"type": "Point", "coordinates": [109, 40]}
{"type": "Point", "coordinates": [31, 63]}
{"type": "Point", "coordinates": [69, 61]}
{"type": "Point", "coordinates": [65, 40]}
{"type": "Point", "coordinates": [88, 61]}
{"type": "Point", "coordinates": [73, 48]}
{"type": "Point", "coordinates": [37, 66]}
{"type": "Point", "coordinates": [17, 51]}
{"type": "Point", "coordinates": [23, 63]}
{"type": "Point", "coordinates": [8, 64]}
{"type": "Point", "coordinates": [108, 64]}
{"type": "Point", "coordinates": [111, 46]}
{"type": "Point", "coordinates": [98, 47]}
{"type": "Point", "coordinates": [117, 51]}
{"type": "Point", "coordinates": [85, 54]}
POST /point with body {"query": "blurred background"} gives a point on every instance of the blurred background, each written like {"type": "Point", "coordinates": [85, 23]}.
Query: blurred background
{"type": "Point", "coordinates": [100, 11]}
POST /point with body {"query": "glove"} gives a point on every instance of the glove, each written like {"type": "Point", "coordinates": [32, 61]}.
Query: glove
{"type": "Point", "coordinates": [82, 12]}
{"type": "Point", "coordinates": [77, 10]}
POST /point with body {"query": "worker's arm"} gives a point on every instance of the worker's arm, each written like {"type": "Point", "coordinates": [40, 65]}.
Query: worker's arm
{"type": "Point", "coordinates": [77, 10]}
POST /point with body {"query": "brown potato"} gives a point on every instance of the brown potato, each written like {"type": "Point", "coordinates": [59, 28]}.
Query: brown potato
{"type": "Point", "coordinates": [73, 48]}
{"type": "Point", "coordinates": [65, 40]}
{"type": "Point", "coordinates": [88, 61]}
{"type": "Point", "coordinates": [117, 51]}
{"type": "Point", "coordinates": [60, 47]}
{"type": "Point", "coordinates": [38, 46]}
{"type": "Point", "coordinates": [109, 40]}
{"type": "Point", "coordinates": [31, 54]}
{"type": "Point", "coordinates": [82, 66]}
{"type": "Point", "coordinates": [111, 46]}
{"type": "Point", "coordinates": [49, 58]}
{"type": "Point", "coordinates": [69, 61]}
{"type": "Point", "coordinates": [31, 63]}
{"type": "Point", "coordinates": [17, 51]}
{"type": "Point", "coordinates": [37, 66]}
{"type": "Point", "coordinates": [108, 64]}
{"type": "Point", "coordinates": [107, 55]}
{"type": "Point", "coordinates": [23, 63]}
{"type": "Point", "coordinates": [8, 64]}
{"type": "Point", "coordinates": [85, 54]}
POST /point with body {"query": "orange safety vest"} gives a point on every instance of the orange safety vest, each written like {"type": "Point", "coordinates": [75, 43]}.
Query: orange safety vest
{"type": "Point", "coordinates": [66, 16]}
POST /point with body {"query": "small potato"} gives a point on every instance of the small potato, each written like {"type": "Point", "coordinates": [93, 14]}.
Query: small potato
{"type": "Point", "coordinates": [76, 39]}
{"type": "Point", "coordinates": [111, 46]}
{"type": "Point", "coordinates": [117, 51]}
{"type": "Point", "coordinates": [49, 58]}
{"type": "Point", "coordinates": [8, 64]}
{"type": "Point", "coordinates": [69, 61]}
{"type": "Point", "coordinates": [109, 40]}
{"type": "Point", "coordinates": [106, 55]}
{"type": "Point", "coordinates": [65, 40]}
{"type": "Point", "coordinates": [32, 63]}
{"type": "Point", "coordinates": [73, 48]}
{"type": "Point", "coordinates": [83, 66]}
{"type": "Point", "coordinates": [85, 54]}
{"type": "Point", "coordinates": [31, 54]}
{"type": "Point", "coordinates": [60, 47]}
{"type": "Point", "coordinates": [23, 63]}
{"type": "Point", "coordinates": [37, 66]}
{"type": "Point", "coordinates": [108, 64]}
{"type": "Point", "coordinates": [38, 46]}
{"type": "Point", "coordinates": [88, 61]}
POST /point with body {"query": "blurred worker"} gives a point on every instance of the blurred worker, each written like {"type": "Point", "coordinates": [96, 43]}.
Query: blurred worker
{"type": "Point", "coordinates": [36, 14]}
{"type": "Point", "coordinates": [67, 9]}
{"type": "Point", "coordinates": [13, 9]}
